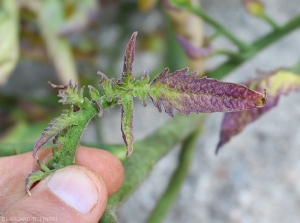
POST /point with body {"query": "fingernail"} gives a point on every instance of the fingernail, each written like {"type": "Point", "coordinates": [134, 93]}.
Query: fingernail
{"type": "Point", "coordinates": [74, 188]}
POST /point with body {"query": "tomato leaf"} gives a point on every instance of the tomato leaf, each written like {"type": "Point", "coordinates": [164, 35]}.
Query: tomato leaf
{"type": "Point", "coordinates": [55, 126]}
{"type": "Point", "coordinates": [69, 94]}
{"type": "Point", "coordinates": [278, 83]}
{"type": "Point", "coordinates": [187, 94]}
{"type": "Point", "coordinates": [129, 58]}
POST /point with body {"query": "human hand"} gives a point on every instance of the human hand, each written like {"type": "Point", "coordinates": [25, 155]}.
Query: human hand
{"type": "Point", "coordinates": [71, 194]}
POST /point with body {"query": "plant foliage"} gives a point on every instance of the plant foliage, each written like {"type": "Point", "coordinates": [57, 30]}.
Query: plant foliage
{"type": "Point", "coordinates": [178, 90]}
{"type": "Point", "coordinates": [278, 83]}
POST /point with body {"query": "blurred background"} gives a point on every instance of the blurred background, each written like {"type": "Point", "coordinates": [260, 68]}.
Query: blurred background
{"type": "Point", "coordinates": [255, 177]}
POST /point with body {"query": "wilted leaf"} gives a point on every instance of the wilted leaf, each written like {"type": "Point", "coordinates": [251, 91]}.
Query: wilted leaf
{"type": "Point", "coordinates": [129, 58]}
{"type": "Point", "coordinates": [187, 94]}
{"type": "Point", "coordinates": [107, 86]}
{"type": "Point", "coordinates": [9, 44]}
{"type": "Point", "coordinates": [55, 126]}
{"type": "Point", "coordinates": [69, 94]}
{"type": "Point", "coordinates": [96, 99]}
{"type": "Point", "coordinates": [126, 122]}
{"type": "Point", "coordinates": [277, 83]}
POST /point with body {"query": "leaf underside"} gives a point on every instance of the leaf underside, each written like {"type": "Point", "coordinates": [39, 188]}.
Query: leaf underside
{"type": "Point", "coordinates": [188, 94]}
{"type": "Point", "coordinates": [278, 83]}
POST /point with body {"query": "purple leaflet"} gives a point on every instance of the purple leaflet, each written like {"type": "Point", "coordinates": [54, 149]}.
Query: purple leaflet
{"type": "Point", "coordinates": [187, 94]}
{"type": "Point", "coordinates": [129, 58]}
{"type": "Point", "coordinates": [55, 126]}
{"type": "Point", "coordinates": [278, 83]}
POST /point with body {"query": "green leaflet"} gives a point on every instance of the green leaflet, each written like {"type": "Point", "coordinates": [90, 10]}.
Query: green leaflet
{"type": "Point", "coordinates": [69, 94]}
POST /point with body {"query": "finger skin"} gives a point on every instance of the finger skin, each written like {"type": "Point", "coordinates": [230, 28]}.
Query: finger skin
{"type": "Point", "coordinates": [45, 204]}
{"type": "Point", "coordinates": [15, 169]}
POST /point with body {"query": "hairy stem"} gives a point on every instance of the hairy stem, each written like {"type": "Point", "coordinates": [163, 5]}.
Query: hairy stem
{"type": "Point", "coordinates": [178, 177]}
{"type": "Point", "coordinates": [148, 152]}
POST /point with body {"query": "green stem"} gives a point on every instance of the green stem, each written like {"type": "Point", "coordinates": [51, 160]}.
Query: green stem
{"type": "Point", "coordinates": [173, 189]}
{"type": "Point", "coordinates": [219, 28]}
{"type": "Point", "coordinates": [149, 151]}
{"type": "Point", "coordinates": [270, 21]}
{"type": "Point", "coordinates": [255, 48]}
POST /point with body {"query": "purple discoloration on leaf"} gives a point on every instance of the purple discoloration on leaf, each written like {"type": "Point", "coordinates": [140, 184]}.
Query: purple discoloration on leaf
{"type": "Point", "coordinates": [187, 94]}
{"type": "Point", "coordinates": [193, 51]}
{"type": "Point", "coordinates": [55, 126]}
{"type": "Point", "coordinates": [69, 95]}
{"type": "Point", "coordinates": [129, 57]}
{"type": "Point", "coordinates": [278, 83]}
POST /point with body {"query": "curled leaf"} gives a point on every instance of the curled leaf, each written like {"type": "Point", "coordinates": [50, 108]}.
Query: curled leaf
{"type": "Point", "coordinates": [55, 126]}
{"type": "Point", "coordinates": [69, 94]}
{"type": "Point", "coordinates": [107, 86]}
{"type": "Point", "coordinates": [129, 58]}
{"type": "Point", "coordinates": [187, 94]}
{"type": "Point", "coordinates": [278, 83]}
{"type": "Point", "coordinates": [126, 122]}
{"type": "Point", "coordinates": [96, 99]}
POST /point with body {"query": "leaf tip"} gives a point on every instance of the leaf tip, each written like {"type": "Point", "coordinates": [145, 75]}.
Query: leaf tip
{"type": "Point", "coordinates": [129, 151]}
{"type": "Point", "coordinates": [129, 56]}
{"type": "Point", "coordinates": [262, 101]}
{"type": "Point", "coordinates": [220, 144]}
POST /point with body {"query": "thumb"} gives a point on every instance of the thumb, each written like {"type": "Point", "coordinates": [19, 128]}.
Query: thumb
{"type": "Point", "coordinates": [71, 194]}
